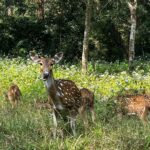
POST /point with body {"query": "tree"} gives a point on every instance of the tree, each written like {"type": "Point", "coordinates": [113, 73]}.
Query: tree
{"type": "Point", "coordinates": [23, 28]}
{"type": "Point", "coordinates": [9, 5]}
{"type": "Point", "coordinates": [86, 35]}
{"type": "Point", "coordinates": [40, 10]}
{"type": "Point", "coordinates": [132, 6]}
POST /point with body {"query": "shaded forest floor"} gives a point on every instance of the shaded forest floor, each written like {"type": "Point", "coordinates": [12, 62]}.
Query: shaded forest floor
{"type": "Point", "coordinates": [29, 128]}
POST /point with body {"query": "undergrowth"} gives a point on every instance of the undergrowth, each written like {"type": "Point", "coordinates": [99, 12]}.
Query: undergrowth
{"type": "Point", "coordinates": [26, 128]}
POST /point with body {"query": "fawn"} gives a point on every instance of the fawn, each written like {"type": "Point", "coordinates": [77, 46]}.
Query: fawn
{"type": "Point", "coordinates": [41, 105]}
{"type": "Point", "coordinates": [13, 95]}
{"type": "Point", "coordinates": [135, 104]}
{"type": "Point", "coordinates": [87, 103]}
{"type": "Point", "coordinates": [63, 95]}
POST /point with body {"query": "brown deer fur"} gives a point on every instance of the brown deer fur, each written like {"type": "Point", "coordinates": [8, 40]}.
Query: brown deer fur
{"type": "Point", "coordinates": [135, 104]}
{"type": "Point", "coordinates": [13, 95]}
{"type": "Point", "coordinates": [63, 95]}
{"type": "Point", "coordinates": [42, 105]}
{"type": "Point", "coordinates": [87, 103]}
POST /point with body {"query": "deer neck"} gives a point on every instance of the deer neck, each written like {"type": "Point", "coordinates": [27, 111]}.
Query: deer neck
{"type": "Point", "coordinates": [50, 84]}
{"type": "Point", "coordinates": [53, 93]}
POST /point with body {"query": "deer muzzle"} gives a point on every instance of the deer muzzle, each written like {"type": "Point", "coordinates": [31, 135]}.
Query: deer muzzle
{"type": "Point", "coordinates": [46, 75]}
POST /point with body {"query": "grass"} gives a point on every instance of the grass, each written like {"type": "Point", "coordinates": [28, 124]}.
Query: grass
{"type": "Point", "coordinates": [26, 128]}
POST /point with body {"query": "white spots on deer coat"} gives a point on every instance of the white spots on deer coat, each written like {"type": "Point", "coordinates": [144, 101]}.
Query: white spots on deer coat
{"type": "Point", "coordinates": [69, 94]}
{"type": "Point", "coordinates": [62, 94]}
{"type": "Point", "coordinates": [61, 84]}
{"type": "Point", "coordinates": [73, 99]}
{"type": "Point", "coordinates": [60, 88]}
{"type": "Point", "coordinates": [66, 98]}
{"type": "Point", "coordinates": [66, 93]}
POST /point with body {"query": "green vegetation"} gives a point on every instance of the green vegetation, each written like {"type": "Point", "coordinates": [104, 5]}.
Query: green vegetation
{"type": "Point", "coordinates": [27, 128]}
{"type": "Point", "coordinates": [56, 25]}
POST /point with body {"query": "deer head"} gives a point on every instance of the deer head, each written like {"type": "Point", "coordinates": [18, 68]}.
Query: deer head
{"type": "Point", "coordinates": [13, 95]}
{"type": "Point", "coordinates": [46, 64]}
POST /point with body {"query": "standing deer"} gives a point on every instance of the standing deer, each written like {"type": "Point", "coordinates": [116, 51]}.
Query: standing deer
{"type": "Point", "coordinates": [87, 103]}
{"type": "Point", "coordinates": [63, 95]}
{"type": "Point", "coordinates": [135, 104]}
{"type": "Point", "coordinates": [13, 95]}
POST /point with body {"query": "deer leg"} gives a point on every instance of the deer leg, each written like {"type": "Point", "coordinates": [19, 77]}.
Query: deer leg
{"type": "Point", "coordinates": [73, 125]}
{"type": "Point", "coordinates": [92, 109]}
{"type": "Point", "coordinates": [84, 116]}
{"type": "Point", "coordinates": [13, 104]}
{"type": "Point", "coordinates": [11, 100]}
{"type": "Point", "coordinates": [143, 115]}
{"type": "Point", "coordinates": [92, 114]}
{"type": "Point", "coordinates": [16, 103]}
{"type": "Point", "coordinates": [83, 112]}
{"type": "Point", "coordinates": [73, 122]}
{"type": "Point", "coordinates": [55, 123]}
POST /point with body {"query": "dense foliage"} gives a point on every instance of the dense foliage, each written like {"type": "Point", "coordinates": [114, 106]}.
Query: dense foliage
{"type": "Point", "coordinates": [62, 28]}
{"type": "Point", "coordinates": [29, 128]}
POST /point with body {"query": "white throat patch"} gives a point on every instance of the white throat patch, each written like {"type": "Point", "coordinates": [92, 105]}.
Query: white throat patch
{"type": "Point", "coordinates": [48, 83]}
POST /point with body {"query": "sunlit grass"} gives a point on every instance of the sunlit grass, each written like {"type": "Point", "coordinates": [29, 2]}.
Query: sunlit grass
{"type": "Point", "coordinates": [28, 128]}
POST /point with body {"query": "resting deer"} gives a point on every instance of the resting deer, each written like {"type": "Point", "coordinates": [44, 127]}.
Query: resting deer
{"type": "Point", "coordinates": [87, 103]}
{"type": "Point", "coordinates": [13, 95]}
{"type": "Point", "coordinates": [63, 95]}
{"type": "Point", "coordinates": [136, 104]}
{"type": "Point", "coordinates": [42, 105]}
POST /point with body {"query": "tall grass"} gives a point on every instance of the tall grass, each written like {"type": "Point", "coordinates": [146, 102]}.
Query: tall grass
{"type": "Point", "coordinates": [28, 128]}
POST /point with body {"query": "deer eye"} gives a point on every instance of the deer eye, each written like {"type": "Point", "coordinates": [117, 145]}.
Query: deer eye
{"type": "Point", "coordinates": [50, 64]}
{"type": "Point", "coordinates": [41, 64]}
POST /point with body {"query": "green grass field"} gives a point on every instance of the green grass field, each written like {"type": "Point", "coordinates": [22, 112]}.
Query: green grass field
{"type": "Point", "coordinates": [27, 128]}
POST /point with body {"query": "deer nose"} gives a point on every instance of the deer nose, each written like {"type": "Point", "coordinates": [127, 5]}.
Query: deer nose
{"type": "Point", "coordinates": [45, 75]}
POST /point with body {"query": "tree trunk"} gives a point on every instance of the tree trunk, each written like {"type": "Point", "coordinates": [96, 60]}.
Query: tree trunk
{"type": "Point", "coordinates": [40, 10]}
{"type": "Point", "coordinates": [132, 6]}
{"type": "Point", "coordinates": [86, 36]}
{"type": "Point", "coordinates": [9, 5]}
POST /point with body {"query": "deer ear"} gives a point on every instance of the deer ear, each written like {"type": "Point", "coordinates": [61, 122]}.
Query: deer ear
{"type": "Point", "coordinates": [57, 57]}
{"type": "Point", "coordinates": [34, 57]}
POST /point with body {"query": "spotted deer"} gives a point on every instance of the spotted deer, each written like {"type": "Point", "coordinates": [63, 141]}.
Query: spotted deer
{"type": "Point", "coordinates": [42, 105]}
{"type": "Point", "coordinates": [87, 103]}
{"type": "Point", "coordinates": [135, 104]}
{"type": "Point", "coordinates": [63, 95]}
{"type": "Point", "coordinates": [13, 95]}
